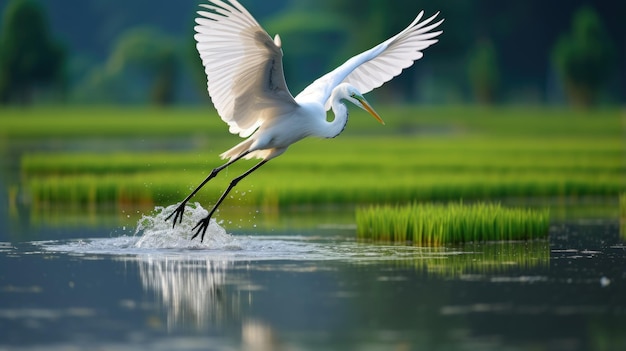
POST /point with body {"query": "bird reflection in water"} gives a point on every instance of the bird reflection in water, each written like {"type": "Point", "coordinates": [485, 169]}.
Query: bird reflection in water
{"type": "Point", "coordinates": [192, 291]}
{"type": "Point", "coordinates": [195, 295]}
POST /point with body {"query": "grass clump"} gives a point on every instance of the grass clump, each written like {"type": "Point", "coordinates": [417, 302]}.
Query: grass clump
{"type": "Point", "coordinates": [622, 215]}
{"type": "Point", "coordinates": [438, 224]}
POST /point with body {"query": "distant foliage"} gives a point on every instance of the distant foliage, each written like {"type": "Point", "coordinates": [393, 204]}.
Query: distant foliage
{"type": "Point", "coordinates": [584, 58]}
{"type": "Point", "coordinates": [30, 59]}
{"type": "Point", "coordinates": [306, 36]}
{"type": "Point", "coordinates": [143, 66]}
{"type": "Point", "coordinates": [483, 72]}
{"type": "Point", "coordinates": [151, 53]}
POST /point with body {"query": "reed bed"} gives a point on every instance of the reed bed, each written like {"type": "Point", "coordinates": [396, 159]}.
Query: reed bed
{"type": "Point", "coordinates": [423, 154]}
{"type": "Point", "coordinates": [463, 158]}
{"type": "Point", "coordinates": [622, 215]}
{"type": "Point", "coordinates": [444, 224]}
{"type": "Point", "coordinates": [287, 189]}
{"type": "Point", "coordinates": [140, 122]}
{"type": "Point", "coordinates": [107, 121]}
{"type": "Point", "coordinates": [314, 173]}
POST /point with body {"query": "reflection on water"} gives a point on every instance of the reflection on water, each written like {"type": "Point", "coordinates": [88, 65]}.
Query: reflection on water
{"type": "Point", "coordinates": [208, 287]}
{"type": "Point", "coordinates": [487, 258]}
{"type": "Point", "coordinates": [259, 336]}
{"type": "Point", "coordinates": [322, 290]}
{"type": "Point", "coordinates": [197, 292]}
{"type": "Point", "coordinates": [191, 291]}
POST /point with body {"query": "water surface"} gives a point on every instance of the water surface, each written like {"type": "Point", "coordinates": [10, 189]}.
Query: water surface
{"type": "Point", "coordinates": [311, 290]}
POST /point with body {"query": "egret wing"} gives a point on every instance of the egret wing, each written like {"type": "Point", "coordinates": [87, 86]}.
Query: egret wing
{"type": "Point", "coordinates": [243, 67]}
{"type": "Point", "coordinates": [376, 66]}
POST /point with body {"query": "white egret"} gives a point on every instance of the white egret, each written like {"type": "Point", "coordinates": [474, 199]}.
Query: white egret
{"type": "Point", "coordinates": [247, 86]}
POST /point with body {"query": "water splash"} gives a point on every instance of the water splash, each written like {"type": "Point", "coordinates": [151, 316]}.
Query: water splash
{"type": "Point", "coordinates": [155, 240]}
{"type": "Point", "coordinates": [157, 233]}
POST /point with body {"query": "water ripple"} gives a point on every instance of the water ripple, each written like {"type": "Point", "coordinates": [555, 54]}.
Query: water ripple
{"type": "Point", "coordinates": [155, 237]}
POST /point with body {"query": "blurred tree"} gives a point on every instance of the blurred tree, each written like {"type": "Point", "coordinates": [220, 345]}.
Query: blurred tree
{"type": "Point", "coordinates": [584, 57]}
{"type": "Point", "coordinates": [484, 72]}
{"type": "Point", "coordinates": [29, 58]}
{"type": "Point", "coordinates": [148, 51]}
{"type": "Point", "coordinates": [307, 37]}
{"type": "Point", "coordinates": [370, 22]}
{"type": "Point", "coordinates": [195, 67]}
{"type": "Point", "coordinates": [143, 66]}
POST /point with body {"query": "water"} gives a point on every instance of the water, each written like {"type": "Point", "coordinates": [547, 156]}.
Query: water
{"type": "Point", "coordinates": [316, 289]}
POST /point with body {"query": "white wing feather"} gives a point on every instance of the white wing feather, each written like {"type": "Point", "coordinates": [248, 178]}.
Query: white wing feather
{"type": "Point", "coordinates": [374, 67]}
{"type": "Point", "coordinates": [243, 67]}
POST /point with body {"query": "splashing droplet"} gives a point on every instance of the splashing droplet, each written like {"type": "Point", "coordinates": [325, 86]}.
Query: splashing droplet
{"type": "Point", "coordinates": [157, 233]}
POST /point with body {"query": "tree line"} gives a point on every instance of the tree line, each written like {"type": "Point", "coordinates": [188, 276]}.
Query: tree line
{"type": "Point", "coordinates": [490, 52]}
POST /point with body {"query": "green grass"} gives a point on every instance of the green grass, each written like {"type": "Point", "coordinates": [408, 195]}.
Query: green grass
{"type": "Point", "coordinates": [357, 154]}
{"type": "Point", "coordinates": [81, 122]}
{"type": "Point", "coordinates": [437, 224]}
{"type": "Point", "coordinates": [142, 122]}
{"type": "Point", "coordinates": [622, 215]}
{"type": "Point", "coordinates": [335, 172]}
{"type": "Point", "coordinates": [445, 153]}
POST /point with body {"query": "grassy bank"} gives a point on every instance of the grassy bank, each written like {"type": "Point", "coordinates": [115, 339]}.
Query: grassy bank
{"type": "Point", "coordinates": [350, 170]}
{"type": "Point", "coordinates": [143, 122]}
{"type": "Point", "coordinates": [622, 215]}
{"type": "Point", "coordinates": [446, 153]}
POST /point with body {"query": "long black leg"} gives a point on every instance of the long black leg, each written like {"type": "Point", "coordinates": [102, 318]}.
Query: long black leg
{"type": "Point", "coordinates": [178, 213]}
{"type": "Point", "coordinates": [204, 223]}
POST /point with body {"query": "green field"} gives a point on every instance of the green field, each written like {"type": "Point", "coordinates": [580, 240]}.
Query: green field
{"type": "Point", "coordinates": [453, 223]}
{"type": "Point", "coordinates": [445, 153]}
{"type": "Point", "coordinates": [622, 215]}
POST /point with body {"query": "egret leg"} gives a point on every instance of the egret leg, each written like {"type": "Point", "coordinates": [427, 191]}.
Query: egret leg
{"type": "Point", "coordinates": [178, 213]}
{"type": "Point", "coordinates": [203, 224]}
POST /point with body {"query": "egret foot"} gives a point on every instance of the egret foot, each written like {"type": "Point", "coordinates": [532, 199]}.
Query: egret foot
{"type": "Point", "coordinates": [178, 214]}
{"type": "Point", "coordinates": [202, 226]}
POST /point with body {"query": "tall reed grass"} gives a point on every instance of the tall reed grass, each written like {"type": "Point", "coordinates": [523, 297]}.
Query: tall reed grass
{"type": "Point", "coordinates": [278, 189]}
{"type": "Point", "coordinates": [314, 172]}
{"type": "Point", "coordinates": [423, 154]}
{"type": "Point", "coordinates": [622, 215]}
{"type": "Point", "coordinates": [438, 224]}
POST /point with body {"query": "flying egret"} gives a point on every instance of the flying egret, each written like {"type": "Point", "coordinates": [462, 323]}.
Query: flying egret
{"type": "Point", "coordinates": [247, 86]}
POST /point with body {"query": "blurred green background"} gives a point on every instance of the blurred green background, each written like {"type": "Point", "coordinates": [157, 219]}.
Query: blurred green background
{"type": "Point", "coordinates": [104, 110]}
{"type": "Point", "coordinates": [142, 52]}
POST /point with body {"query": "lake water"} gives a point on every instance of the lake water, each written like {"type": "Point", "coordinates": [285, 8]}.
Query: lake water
{"type": "Point", "coordinates": [107, 288]}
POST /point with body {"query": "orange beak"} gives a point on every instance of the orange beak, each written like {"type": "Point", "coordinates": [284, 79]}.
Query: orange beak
{"type": "Point", "coordinates": [366, 106]}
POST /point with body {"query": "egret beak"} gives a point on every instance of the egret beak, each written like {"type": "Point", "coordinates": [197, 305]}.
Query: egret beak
{"type": "Point", "coordinates": [369, 109]}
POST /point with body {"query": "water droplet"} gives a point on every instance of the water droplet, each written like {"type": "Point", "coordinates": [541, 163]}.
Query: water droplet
{"type": "Point", "coordinates": [604, 282]}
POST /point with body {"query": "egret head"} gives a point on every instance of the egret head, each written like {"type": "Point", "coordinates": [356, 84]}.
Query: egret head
{"type": "Point", "coordinates": [355, 97]}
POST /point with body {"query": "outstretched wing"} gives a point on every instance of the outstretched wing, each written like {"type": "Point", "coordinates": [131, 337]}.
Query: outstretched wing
{"type": "Point", "coordinates": [374, 67]}
{"type": "Point", "coordinates": [243, 66]}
